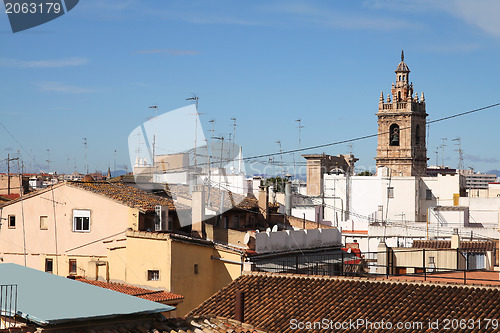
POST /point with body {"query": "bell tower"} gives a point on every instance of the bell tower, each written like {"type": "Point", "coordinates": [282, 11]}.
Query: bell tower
{"type": "Point", "coordinates": [402, 127]}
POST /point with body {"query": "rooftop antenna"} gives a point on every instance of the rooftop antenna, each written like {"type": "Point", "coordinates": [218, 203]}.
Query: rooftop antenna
{"type": "Point", "coordinates": [299, 126]}
{"type": "Point", "coordinates": [154, 139]}
{"type": "Point", "coordinates": [349, 147]}
{"type": "Point", "coordinates": [114, 160]}
{"type": "Point", "coordinates": [234, 139]}
{"type": "Point", "coordinates": [48, 160]}
{"type": "Point", "coordinates": [281, 157]}
{"type": "Point", "coordinates": [442, 147]}
{"type": "Point", "coordinates": [85, 147]}
{"type": "Point", "coordinates": [196, 114]}
{"type": "Point", "coordinates": [460, 153]}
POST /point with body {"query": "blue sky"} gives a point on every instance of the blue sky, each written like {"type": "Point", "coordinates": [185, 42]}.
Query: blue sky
{"type": "Point", "coordinates": [94, 72]}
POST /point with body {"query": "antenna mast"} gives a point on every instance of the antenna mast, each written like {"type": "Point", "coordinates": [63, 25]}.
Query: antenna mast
{"type": "Point", "coordinates": [85, 147]}
{"type": "Point", "coordinates": [234, 139]}
{"type": "Point", "coordinates": [460, 153]}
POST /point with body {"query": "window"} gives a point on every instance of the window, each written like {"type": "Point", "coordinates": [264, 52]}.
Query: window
{"type": "Point", "coordinates": [43, 223]}
{"type": "Point", "coordinates": [428, 194]}
{"type": "Point", "coordinates": [81, 220]}
{"type": "Point", "coordinates": [72, 266]}
{"type": "Point", "coordinates": [153, 275]}
{"type": "Point", "coordinates": [12, 221]}
{"type": "Point", "coordinates": [390, 192]}
{"type": "Point", "coordinates": [49, 265]}
{"type": "Point", "coordinates": [394, 135]}
{"type": "Point", "coordinates": [237, 221]}
{"type": "Point", "coordinates": [195, 268]}
{"type": "Point", "coordinates": [431, 261]}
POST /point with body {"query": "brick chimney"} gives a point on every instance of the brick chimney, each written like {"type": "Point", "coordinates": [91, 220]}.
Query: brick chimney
{"type": "Point", "coordinates": [239, 311]}
{"type": "Point", "coordinates": [198, 212]}
{"type": "Point", "coordinates": [264, 200]}
{"type": "Point", "coordinates": [455, 239]}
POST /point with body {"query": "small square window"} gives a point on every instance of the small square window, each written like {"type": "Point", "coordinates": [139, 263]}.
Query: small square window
{"type": "Point", "coordinates": [72, 266]}
{"type": "Point", "coordinates": [12, 221]}
{"type": "Point", "coordinates": [195, 268]}
{"type": "Point", "coordinates": [81, 220]}
{"type": "Point", "coordinates": [43, 223]}
{"type": "Point", "coordinates": [153, 275]}
{"type": "Point", "coordinates": [428, 195]}
{"type": "Point", "coordinates": [49, 265]}
{"type": "Point", "coordinates": [390, 192]}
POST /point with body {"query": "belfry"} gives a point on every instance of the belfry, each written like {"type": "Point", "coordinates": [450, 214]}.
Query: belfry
{"type": "Point", "coordinates": [402, 127]}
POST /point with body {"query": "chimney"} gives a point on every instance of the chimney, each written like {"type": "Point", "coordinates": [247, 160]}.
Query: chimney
{"type": "Point", "coordinates": [455, 239]}
{"type": "Point", "coordinates": [198, 211]}
{"type": "Point", "coordinates": [239, 309]}
{"type": "Point", "coordinates": [264, 200]}
{"type": "Point", "coordinates": [288, 199]}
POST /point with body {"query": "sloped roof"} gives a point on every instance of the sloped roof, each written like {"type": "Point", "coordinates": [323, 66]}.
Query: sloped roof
{"type": "Point", "coordinates": [128, 195]}
{"type": "Point", "coordinates": [151, 295]}
{"type": "Point", "coordinates": [272, 301]}
{"type": "Point", "coordinates": [196, 324]}
{"type": "Point", "coordinates": [48, 299]}
{"type": "Point", "coordinates": [231, 200]}
{"type": "Point", "coordinates": [469, 246]}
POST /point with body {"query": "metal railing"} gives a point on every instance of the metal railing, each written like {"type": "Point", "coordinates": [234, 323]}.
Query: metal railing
{"type": "Point", "coordinates": [347, 264]}
{"type": "Point", "coordinates": [8, 305]}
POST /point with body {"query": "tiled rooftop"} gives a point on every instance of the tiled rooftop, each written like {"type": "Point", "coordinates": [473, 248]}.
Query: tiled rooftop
{"type": "Point", "coordinates": [197, 324]}
{"type": "Point", "coordinates": [272, 301]}
{"type": "Point", "coordinates": [485, 278]}
{"type": "Point", "coordinates": [128, 195]}
{"type": "Point", "coordinates": [231, 200]}
{"type": "Point", "coordinates": [151, 295]}
{"type": "Point", "coordinates": [469, 246]}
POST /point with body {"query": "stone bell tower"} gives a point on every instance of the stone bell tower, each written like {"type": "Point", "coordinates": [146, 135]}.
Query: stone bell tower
{"type": "Point", "coordinates": [402, 127]}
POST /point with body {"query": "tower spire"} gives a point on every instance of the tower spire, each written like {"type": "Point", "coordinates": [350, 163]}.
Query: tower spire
{"type": "Point", "coordinates": [402, 55]}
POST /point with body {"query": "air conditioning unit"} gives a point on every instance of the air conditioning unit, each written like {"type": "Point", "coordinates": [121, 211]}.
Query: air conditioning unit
{"type": "Point", "coordinates": [162, 220]}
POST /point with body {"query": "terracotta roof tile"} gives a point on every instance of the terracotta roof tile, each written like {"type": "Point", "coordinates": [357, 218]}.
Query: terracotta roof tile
{"type": "Point", "coordinates": [196, 324]}
{"type": "Point", "coordinates": [469, 246]}
{"type": "Point", "coordinates": [128, 195]}
{"type": "Point", "coordinates": [231, 200]}
{"type": "Point", "coordinates": [272, 301]}
{"type": "Point", "coordinates": [151, 295]}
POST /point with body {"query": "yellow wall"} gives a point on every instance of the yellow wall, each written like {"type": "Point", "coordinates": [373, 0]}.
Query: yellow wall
{"type": "Point", "coordinates": [175, 259]}
{"type": "Point", "coordinates": [212, 274]}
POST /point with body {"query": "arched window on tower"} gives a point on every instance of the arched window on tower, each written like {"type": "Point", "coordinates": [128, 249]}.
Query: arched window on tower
{"type": "Point", "coordinates": [417, 134]}
{"type": "Point", "coordinates": [399, 96]}
{"type": "Point", "coordinates": [394, 135]}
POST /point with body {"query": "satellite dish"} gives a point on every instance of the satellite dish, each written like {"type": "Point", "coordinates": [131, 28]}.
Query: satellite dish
{"type": "Point", "coordinates": [268, 230]}
{"type": "Point", "coordinates": [275, 228]}
{"type": "Point", "coordinates": [246, 239]}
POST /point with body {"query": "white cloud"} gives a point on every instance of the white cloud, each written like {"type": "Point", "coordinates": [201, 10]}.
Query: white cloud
{"type": "Point", "coordinates": [68, 62]}
{"type": "Point", "coordinates": [169, 51]}
{"type": "Point", "coordinates": [62, 87]}
{"type": "Point", "coordinates": [308, 13]}
{"type": "Point", "coordinates": [481, 13]}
